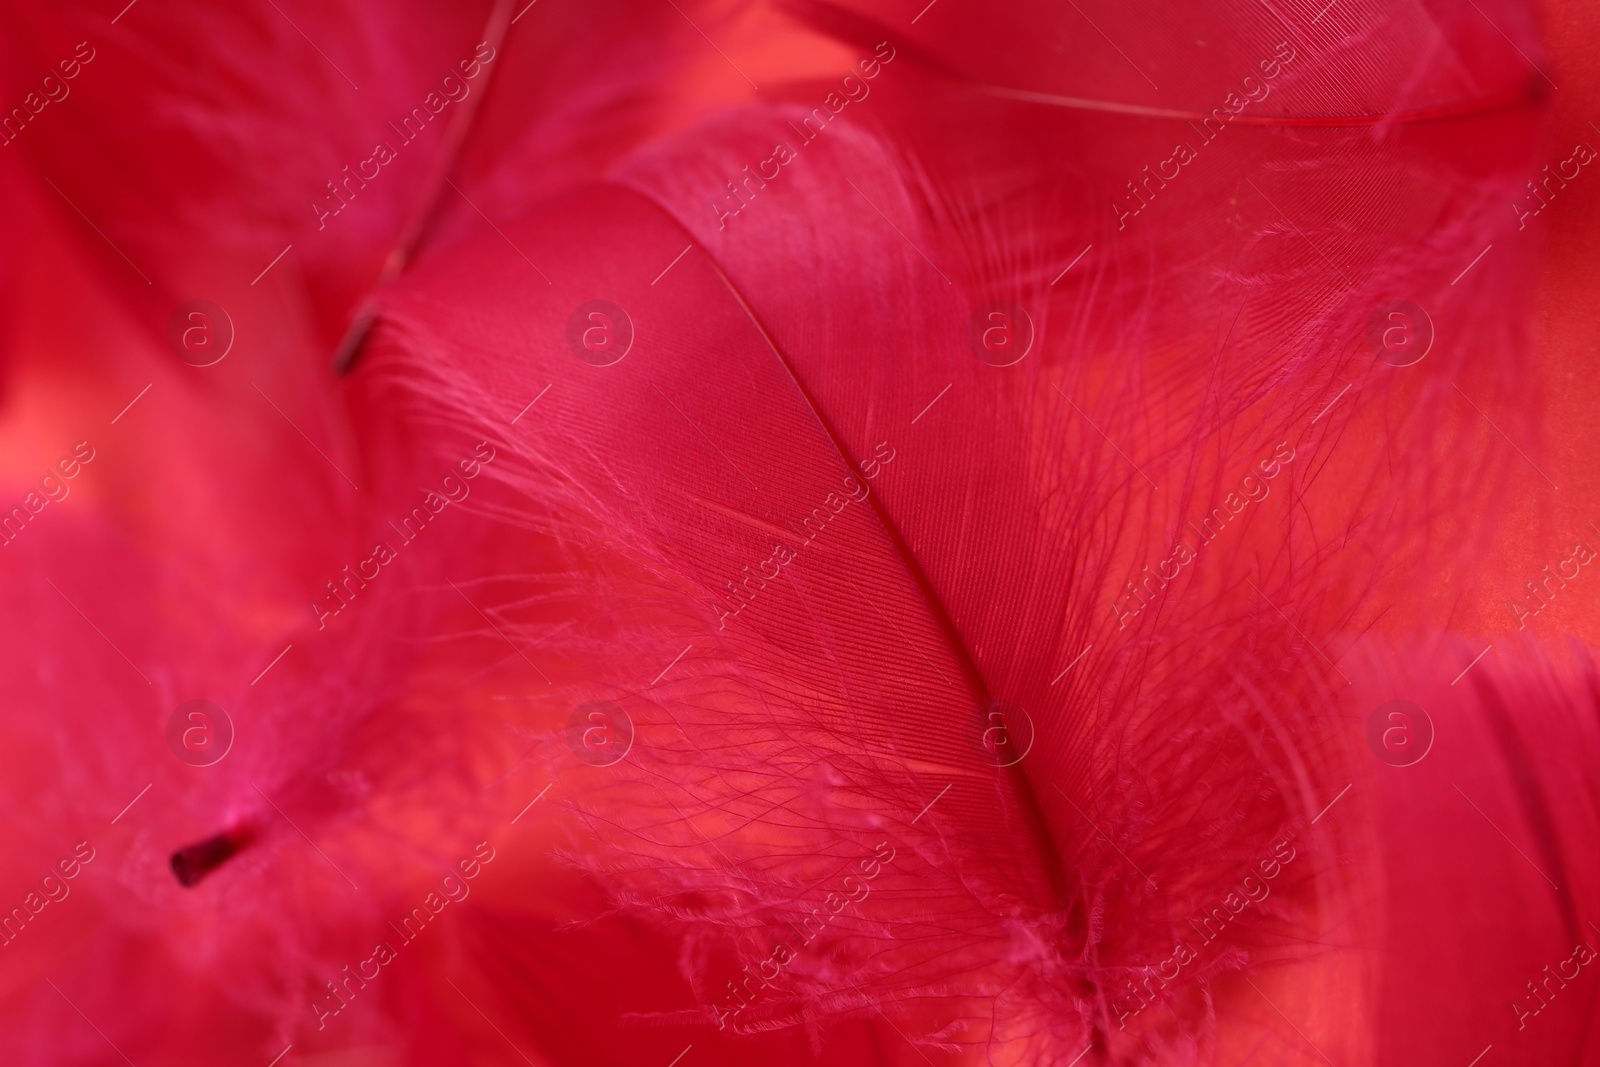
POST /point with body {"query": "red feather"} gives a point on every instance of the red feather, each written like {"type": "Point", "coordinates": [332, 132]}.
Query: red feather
{"type": "Point", "coordinates": [907, 563]}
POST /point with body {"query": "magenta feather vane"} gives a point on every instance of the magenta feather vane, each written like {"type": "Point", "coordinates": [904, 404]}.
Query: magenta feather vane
{"type": "Point", "coordinates": [720, 533]}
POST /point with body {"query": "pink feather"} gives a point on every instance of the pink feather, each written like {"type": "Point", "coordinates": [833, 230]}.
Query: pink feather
{"type": "Point", "coordinates": [895, 565]}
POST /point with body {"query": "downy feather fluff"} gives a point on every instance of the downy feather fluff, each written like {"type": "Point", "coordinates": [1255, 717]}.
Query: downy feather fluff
{"type": "Point", "coordinates": [937, 745]}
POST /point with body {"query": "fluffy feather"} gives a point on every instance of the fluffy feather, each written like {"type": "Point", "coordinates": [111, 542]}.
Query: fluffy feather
{"type": "Point", "coordinates": [923, 764]}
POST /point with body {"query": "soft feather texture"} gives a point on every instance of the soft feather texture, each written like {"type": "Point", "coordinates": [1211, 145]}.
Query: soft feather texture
{"type": "Point", "coordinates": [971, 529]}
